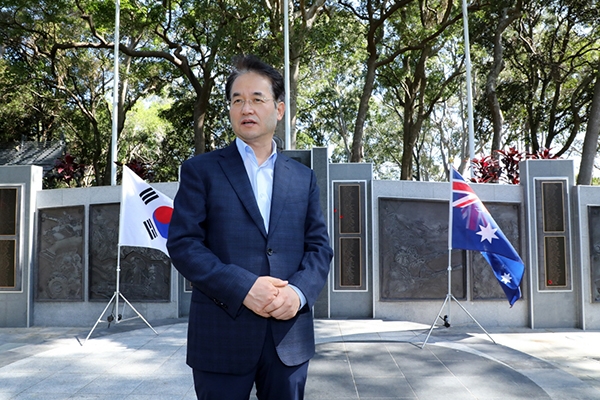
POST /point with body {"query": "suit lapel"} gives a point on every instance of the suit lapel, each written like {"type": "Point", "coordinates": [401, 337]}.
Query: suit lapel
{"type": "Point", "coordinates": [282, 177]}
{"type": "Point", "coordinates": [233, 167]}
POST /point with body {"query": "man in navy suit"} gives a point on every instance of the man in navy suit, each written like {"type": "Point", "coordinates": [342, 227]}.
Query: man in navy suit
{"type": "Point", "coordinates": [248, 232]}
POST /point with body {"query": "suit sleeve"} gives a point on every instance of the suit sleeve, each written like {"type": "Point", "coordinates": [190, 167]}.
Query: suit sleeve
{"type": "Point", "coordinates": [314, 266]}
{"type": "Point", "coordinates": [226, 284]}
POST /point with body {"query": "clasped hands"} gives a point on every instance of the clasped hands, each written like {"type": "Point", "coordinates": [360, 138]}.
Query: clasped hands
{"type": "Point", "coordinates": [272, 297]}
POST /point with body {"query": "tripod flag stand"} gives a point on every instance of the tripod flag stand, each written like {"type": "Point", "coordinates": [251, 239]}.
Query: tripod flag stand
{"type": "Point", "coordinates": [144, 222]}
{"type": "Point", "coordinates": [471, 227]}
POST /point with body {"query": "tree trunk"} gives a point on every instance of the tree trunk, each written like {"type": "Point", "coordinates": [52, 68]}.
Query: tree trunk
{"type": "Point", "coordinates": [590, 143]}
{"type": "Point", "coordinates": [508, 16]}
{"type": "Point", "coordinates": [356, 154]}
{"type": "Point", "coordinates": [200, 108]}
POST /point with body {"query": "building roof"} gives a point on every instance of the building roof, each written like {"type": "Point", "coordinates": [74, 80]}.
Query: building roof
{"type": "Point", "coordinates": [43, 154]}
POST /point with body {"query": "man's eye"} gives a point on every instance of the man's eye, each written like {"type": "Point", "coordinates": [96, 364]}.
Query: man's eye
{"type": "Point", "coordinates": [237, 102]}
{"type": "Point", "coordinates": [258, 101]}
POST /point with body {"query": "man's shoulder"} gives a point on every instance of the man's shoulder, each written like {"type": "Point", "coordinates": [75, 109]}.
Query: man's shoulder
{"type": "Point", "coordinates": [293, 164]}
{"type": "Point", "coordinates": [209, 157]}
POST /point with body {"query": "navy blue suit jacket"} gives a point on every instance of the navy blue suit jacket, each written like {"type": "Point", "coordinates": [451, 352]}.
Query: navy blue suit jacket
{"type": "Point", "coordinates": [217, 240]}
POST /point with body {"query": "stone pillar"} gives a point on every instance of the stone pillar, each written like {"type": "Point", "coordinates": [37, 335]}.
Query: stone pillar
{"type": "Point", "coordinates": [351, 276]}
{"type": "Point", "coordinates": [18, 188]}
{"type": "Point", "coordinates": [548, 187]}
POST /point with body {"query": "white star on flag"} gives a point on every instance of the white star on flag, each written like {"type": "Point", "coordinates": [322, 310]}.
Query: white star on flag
{"type": "Point", "coordinates": [487, 233]}
{"type": "Point", "coordinates": [506, 278]}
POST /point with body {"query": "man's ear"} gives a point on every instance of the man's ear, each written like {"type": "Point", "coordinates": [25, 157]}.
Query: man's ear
{"type": "Point", "coordinates": [280, 110]}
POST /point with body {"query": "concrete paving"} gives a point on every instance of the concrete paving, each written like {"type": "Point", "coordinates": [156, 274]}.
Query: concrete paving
{"type": "Point", "coordinates": [356, 359]}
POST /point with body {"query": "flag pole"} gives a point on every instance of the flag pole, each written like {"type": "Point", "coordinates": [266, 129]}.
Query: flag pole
{"type": "Point", "coordinates": [117, 293]}
{"type": "Point", "coordinates": [449, 295]}
{"type": "Point", "coordinates": [286, 74]}
{"type": "Point", "coordinates": [450, 225]}
{"type": "Point", "coordinates": [115, 110]}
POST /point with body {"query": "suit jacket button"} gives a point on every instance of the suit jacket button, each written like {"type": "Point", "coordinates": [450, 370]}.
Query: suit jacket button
{"type": "Point", "coordinates": [270, 252]}
{"type": "Point", "coordinates": [220, 303]}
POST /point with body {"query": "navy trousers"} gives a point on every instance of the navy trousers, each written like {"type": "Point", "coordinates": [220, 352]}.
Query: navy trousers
{"type": "Point", "coordinates": [274, 380]}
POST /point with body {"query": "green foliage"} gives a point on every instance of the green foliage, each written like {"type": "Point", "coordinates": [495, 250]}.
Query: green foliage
{"type": "Point", "coordinates": [56, 78]}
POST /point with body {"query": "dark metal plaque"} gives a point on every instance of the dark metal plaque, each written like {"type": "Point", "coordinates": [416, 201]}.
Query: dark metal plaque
{"type": "Point", "coordinates": [350, 208]}
{"type": "Point", "coordinates": [484, 284]}
{"type": "Point", "coordinates": [350, 254]}
{"type": "Point", "coordinates": [553, 207]}
{"type": "Point", "coordinates": [413, 251]}
{"type": "Point", "coordinates": [594, 234]}
{"type": "Point", "coordinates": [8, 270]}
{"type": "Point", "coordinates": [60, 254]}
{"type": "Point", "coordinates": [553, 235]}
{"type": "Point", "coordinates": [555, 261]}
{"type": "Point", "coordinates": [8, 211]}
{"type": "Point", "coordinates": [349, 234]}
{"type": "Point", "coordinates": [145, 273]}
{"type": "Point", "coordinates": [104, 239]}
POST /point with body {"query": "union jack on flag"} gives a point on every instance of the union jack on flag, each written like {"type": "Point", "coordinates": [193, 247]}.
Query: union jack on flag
{"type": "Point", "coordinates": [473, 228]}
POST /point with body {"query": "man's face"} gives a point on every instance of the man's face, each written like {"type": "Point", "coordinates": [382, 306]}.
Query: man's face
{"type": "Point", "coordinates": [253, 112]}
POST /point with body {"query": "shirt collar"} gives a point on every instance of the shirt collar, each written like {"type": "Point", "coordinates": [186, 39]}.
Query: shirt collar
{"type": "Point", "coordinates": [246, 151]}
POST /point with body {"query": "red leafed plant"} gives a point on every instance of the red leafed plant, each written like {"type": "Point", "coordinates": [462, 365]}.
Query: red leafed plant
{"type": "Point", "coordinates": [141, 169]}
{"type": "Point", "coordinates": [504, 168]}
{"type": "Point", "coordinates": [66, 172]}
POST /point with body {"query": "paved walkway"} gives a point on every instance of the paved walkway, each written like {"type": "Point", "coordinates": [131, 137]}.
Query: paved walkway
{"type": "Point", "coordinates": [366, 359]}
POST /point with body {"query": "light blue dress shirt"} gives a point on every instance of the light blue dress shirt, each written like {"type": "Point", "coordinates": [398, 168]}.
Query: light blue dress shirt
{"type": "Point", "coordinates": [261, 180]}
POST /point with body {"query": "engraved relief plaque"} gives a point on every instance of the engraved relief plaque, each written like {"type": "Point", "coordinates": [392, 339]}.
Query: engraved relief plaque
{"type": "Point", "coordinates": [413, 251]}
{"type": "Point", "coordinates": [60, 254]}
{"type": "Point", "coordinates": [349, 235]}
{"type": "Point", "coordinates": [145, 273]}
{"type": "Point", "coordinates": [104, 239]}
{"type": "Point", "coordinates": [484, 284]}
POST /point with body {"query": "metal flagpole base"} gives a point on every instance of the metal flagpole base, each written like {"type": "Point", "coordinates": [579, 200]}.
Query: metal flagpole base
{"type": "Point", "coordinates": [450, 297]}
{"type": "Point", "coordinates": [118, 319]}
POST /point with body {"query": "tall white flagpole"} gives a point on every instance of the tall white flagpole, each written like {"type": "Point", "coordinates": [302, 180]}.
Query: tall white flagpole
{"type": "Point", "coordinates": [286, 67]}
{"type": "Point", "coordinates": [469, 85]}
{"type": "Point", "coordinates": [115, 116]}
{"type": "Point", "coordinates": [450, 222]}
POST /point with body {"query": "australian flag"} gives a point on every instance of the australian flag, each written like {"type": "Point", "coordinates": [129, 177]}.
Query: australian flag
{"type": "Point", "coordinates": [473, 228]}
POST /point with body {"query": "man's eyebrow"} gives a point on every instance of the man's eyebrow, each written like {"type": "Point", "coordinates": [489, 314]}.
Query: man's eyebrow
{"type": "Point", "coordinates": [257, 93]}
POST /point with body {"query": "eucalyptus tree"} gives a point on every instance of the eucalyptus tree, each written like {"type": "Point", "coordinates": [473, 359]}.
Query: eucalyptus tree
{"type": "Point", "coordinates": [329, 84]}
{"type": "Point", "coordinates": [420, 77]}
{"type": "Point", "coordinates": [551, 55]}
{"type": "Point", "coordinates": [30, 107]}
{"type": "Point", "coordinates": [588, 14]}
{"type": "Point", "coordinates": [58, 40]}
{"type": "Point", "coordinates": [302, 17]}
{"type": "Point", "coordinates": [490, 25]}
{"type": "Point", "coordinates": [382, 48]}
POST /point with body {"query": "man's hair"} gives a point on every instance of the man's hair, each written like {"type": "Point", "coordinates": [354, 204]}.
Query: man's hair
{"type": "Point", "coordinates": [250, 63]}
